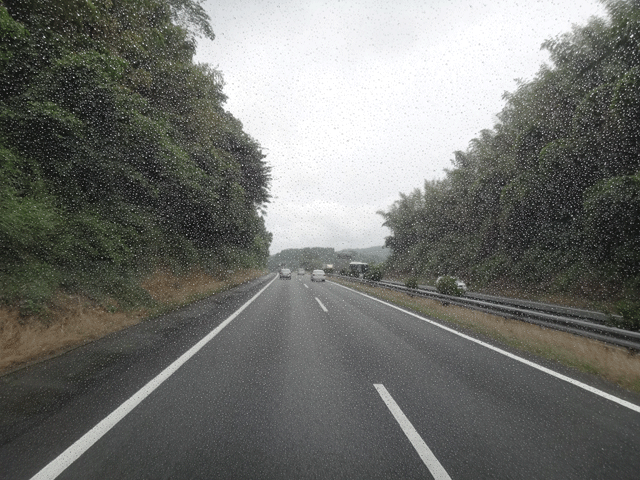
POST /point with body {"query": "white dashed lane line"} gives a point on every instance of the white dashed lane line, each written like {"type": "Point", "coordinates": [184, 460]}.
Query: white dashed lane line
{"type": "Point", "coordinates": [307, 286]}
{"type": "Point", "coordinates": [427, 456]}
{"type": "Point", "coordinates": [321, 305]}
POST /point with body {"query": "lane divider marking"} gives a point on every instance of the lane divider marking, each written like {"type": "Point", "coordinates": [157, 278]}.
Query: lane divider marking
{"type": "Point", "coordinates": [584, 386]}
{"type": "Point", "coordinates": [306, 285]}
{"type": "Point", "coordinates": [71, 454]}
{"type": "Point", "coordinates": [322, 306]}
{"type": "Point", "coordinates": [427, 456]}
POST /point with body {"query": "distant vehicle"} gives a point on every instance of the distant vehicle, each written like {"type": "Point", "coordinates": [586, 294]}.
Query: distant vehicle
{"type": "Point", "coordinates": [358, 269]}
{"type": "Point", "coordinates": [301, 271]}
{"type": "Point", "coordinates": [285, 273]}
{"type": "Point", "coordinates": [318, 276]}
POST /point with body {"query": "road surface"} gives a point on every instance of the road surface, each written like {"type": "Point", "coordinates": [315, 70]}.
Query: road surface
{"type": "Point", "coordinates": [308, 380]}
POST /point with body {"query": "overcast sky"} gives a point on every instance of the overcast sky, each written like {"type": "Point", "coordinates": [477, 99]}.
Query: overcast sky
{"type": "Point", "coordinates": [356, 101]}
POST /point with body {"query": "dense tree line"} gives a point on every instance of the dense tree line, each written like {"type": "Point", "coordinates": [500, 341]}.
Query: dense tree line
{"type": "Point", "coordinates": [550, 196]}
{"type": "Point", "coordinates": [117, 155]}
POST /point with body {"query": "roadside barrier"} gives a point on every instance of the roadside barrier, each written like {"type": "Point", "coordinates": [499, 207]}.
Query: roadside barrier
{"type": "Point", "coordinates": [585, 323]}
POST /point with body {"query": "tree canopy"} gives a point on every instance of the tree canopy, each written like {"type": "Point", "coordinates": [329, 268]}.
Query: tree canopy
{"type": "Point", "coordinates": [551, 192]}
{"type": "Point", "coordinates": [116, 152]}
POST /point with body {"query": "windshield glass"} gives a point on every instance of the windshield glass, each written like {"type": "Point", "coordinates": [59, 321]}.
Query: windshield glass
{"type": "Point", "coordinates": [461, 179]}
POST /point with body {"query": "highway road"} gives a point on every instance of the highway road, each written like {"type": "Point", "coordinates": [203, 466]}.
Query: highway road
{"type": "Point", "coordinates": [308, 380]}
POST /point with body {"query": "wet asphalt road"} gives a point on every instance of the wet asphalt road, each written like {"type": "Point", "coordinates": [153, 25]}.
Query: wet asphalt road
{"type": "Point", "coordinates": [288, 390]}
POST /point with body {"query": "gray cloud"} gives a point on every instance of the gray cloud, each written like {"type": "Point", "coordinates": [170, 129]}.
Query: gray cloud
{"type": "Point", "coordinates": [355, 102]}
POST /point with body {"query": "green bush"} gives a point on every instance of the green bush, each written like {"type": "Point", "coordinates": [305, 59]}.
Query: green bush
{"type": "Point", "coordinates": [630, 312]}
{"type": "Point", "coordinates": [375, 273]}
{"type": "Point", "coordinates": [411, 282]}
{"type": "Point", "coordinates": [28, 285]}
{"type": "Point", "coordinates": [447, 286]}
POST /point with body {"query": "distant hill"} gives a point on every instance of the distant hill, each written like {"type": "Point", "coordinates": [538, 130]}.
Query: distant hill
{"type": "Point", "coordinates": [307, 258]}
{"type": "Point", "coordinates": [369, 255]}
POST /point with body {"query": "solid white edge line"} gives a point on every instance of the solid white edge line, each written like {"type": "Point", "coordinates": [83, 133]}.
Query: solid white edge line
{"type": "Point", "coordinates": [584, 386]}
{"type": "Point", "coordinates": [322, 306]}
{"type": "Point", "coordinates": [427, 456]}
{"type": "Point", "coordinates": [71, 454]}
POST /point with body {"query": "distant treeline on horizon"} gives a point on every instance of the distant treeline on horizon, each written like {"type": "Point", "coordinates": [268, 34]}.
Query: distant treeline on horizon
{"type": "Point", "coordinates": [316, 257]}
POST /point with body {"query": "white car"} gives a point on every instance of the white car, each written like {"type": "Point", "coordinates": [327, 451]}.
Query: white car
{"type": "Point", "coordinates": [301, 271]}
{"type": "Point", "coordinates": [318, 276]}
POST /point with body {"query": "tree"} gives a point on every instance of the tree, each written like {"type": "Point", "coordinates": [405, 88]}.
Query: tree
{"type": "Point", "coordinates": [552, 187]}
{"type": "Point", "coordinates": [116, 149]}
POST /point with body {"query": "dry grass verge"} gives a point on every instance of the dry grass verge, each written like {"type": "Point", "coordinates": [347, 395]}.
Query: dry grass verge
{"type": "Point", "coordinates": [615, 364]}
{"type": "Point", "coordinates": [73, 320]}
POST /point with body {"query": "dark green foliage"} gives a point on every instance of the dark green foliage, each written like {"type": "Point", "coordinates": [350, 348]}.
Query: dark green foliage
{"type": "Point", "coordinates": [447, 286]}
{"type": "Point", "coordinates": [492, 269]}
{"type": "Point", "coordinates": [116, 154]}
{"type": "Point", "coordinates": [375, 273]}
{"type": "Point", "coordinates": [29, 284]}
{"type": "Point", "coordinates": [630, 311]}
{"type": "Point", "coordinates": [612, 221]}
{"type": "Point", "coordinates": [551, 195]}
{"type": "Point", "coordinates": [411, 282]}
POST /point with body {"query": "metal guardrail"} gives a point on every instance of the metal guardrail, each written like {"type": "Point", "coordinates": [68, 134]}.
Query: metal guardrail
{"type": "Point", "coordinates": [597, 317]}
{"type": "Point", "coordinates": [585, 323]}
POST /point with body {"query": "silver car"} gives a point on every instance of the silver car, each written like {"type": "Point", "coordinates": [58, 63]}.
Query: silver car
{"type": "Point", "coordinates": [285, 273]}
{"type": "Point", "coordinates": [318, 276]}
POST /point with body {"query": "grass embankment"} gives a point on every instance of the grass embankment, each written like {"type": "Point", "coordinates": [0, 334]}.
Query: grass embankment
{"type": "Point", "coordinates": [586, 296]}
{"type": "Point", "coordinates": [73, 320]}
{"type": "Point", "coordinates": [614, 364]}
